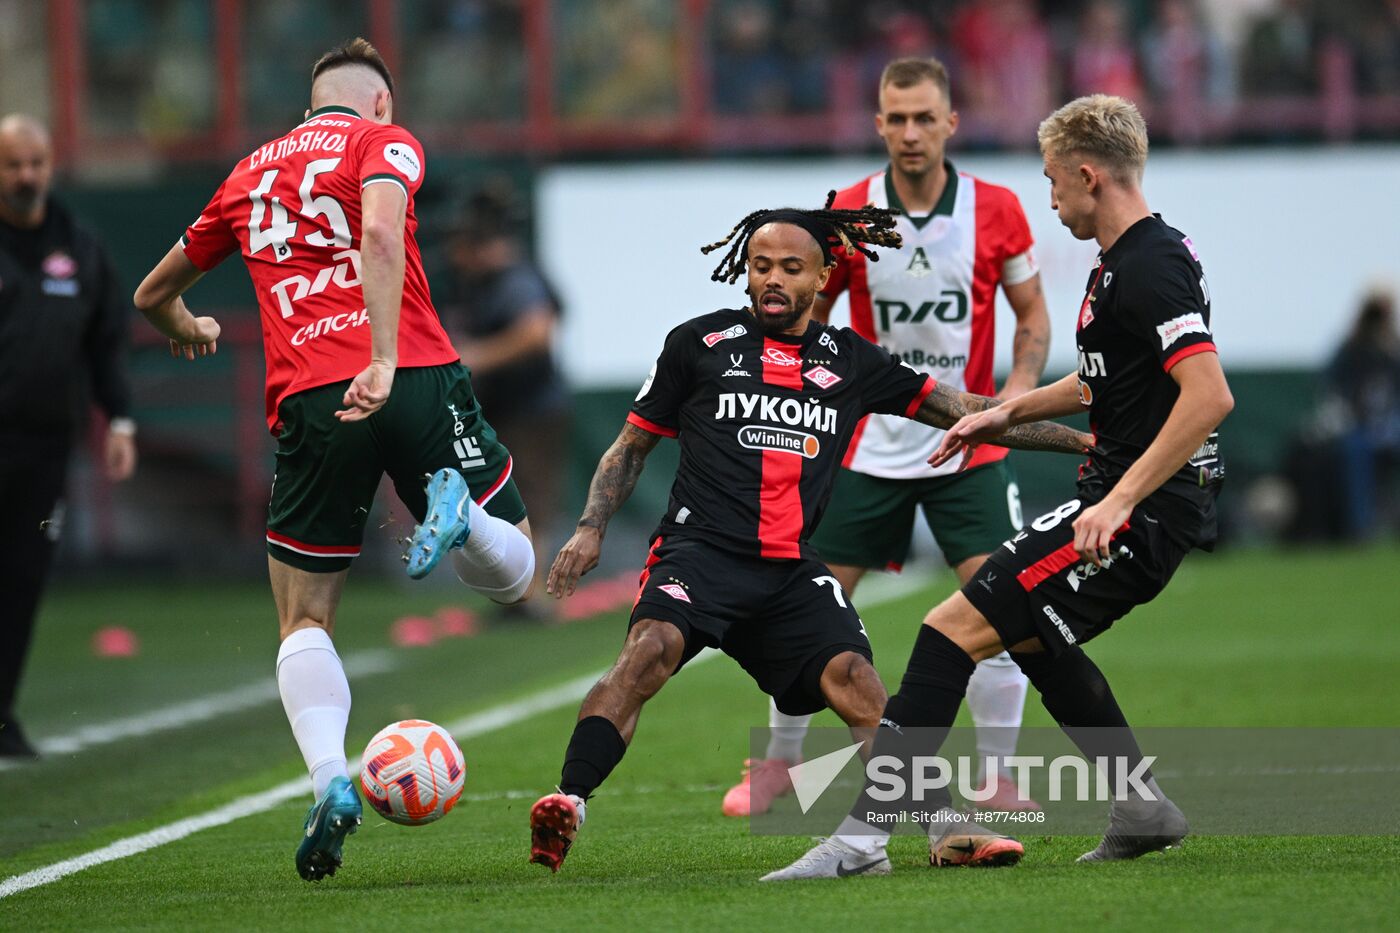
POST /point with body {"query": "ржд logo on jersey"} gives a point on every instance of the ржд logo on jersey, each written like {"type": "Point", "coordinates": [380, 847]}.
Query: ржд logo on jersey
{"type": "Point", "coordinates": [729, 333]}
{"type": "Point", "coordinates": [345, 274]}
{"type": "Point", "coordinates": [949, 308]}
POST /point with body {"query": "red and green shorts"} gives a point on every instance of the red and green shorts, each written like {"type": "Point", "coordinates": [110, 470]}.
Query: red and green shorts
{"type": "Point", "coordinates": [328, 470]}
{"type": "Point", "coordinates": [870, 520]}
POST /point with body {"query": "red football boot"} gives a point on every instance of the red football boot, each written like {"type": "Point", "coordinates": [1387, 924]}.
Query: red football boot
{"type": "Point", "coordinates": [554, 822]}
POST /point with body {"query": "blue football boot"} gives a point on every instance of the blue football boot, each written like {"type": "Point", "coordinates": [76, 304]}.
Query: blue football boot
{"type": "Point", "coordinates": [445, 526]}
{"type": "Point", "coordinates": [332, 818]}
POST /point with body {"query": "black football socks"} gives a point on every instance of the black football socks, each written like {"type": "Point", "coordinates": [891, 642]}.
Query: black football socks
{"type": "Point", "coordinates": [1077, 694]}
{"type": "Point", "coordinates": [594, 750]}
{"type": "Point", "coordinates": [933, 688]}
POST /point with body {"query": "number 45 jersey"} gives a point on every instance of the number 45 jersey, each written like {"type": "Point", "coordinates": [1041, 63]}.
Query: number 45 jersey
{"type": "Point", "coordinates": [292, 208]}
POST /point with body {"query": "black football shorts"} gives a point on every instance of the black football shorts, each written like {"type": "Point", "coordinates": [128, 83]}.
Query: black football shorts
{"type": "Point", "coordinates": [1036, 586]}
{"type": "Point", "coordinates": [782, 620]}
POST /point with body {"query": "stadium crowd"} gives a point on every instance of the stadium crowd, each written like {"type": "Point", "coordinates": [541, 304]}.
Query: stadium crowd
{"type": "Point", "coordinates": [1225, 70]}
{"type": "Point", "coordinates": [1154, 50]}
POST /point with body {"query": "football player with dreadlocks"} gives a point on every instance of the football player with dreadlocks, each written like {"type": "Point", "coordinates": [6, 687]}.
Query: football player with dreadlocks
{"type": "Point", "coordinates": [763, 401]}
{"type": "Point", "coordinates": [933, 303]}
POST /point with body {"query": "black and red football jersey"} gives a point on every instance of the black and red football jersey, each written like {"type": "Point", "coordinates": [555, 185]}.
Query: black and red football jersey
{"type": "Point", "coordinates": [1147, 308]}
{"type": "Point", "coordinates": [763, 423]}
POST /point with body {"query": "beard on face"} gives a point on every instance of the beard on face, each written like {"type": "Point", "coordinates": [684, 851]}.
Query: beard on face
{"type": "Point", "coordinates": [21, 199]}
{"type": "Point", "coordinates": [774, 324]}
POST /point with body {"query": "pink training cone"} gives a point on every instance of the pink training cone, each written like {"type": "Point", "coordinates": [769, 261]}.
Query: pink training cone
{"type": "Point", "coordinates": [115, 641]}
{"type": "Point", "coordinates": [456, 622]}
{"type": "Point", "coordinates": [413, 632]}
{"type": "Point", "coordinates": [600, 596]}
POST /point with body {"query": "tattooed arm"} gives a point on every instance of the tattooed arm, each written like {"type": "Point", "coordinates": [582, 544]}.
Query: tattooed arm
{"type": "Point", "coordinates": [945, 407]}
{"type": "Point", "coordinates": [613, 482]}
{"type": "Point", "coordinates": [1032, 340]}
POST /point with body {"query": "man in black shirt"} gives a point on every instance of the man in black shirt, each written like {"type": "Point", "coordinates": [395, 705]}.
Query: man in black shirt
{"type": "Point", "coordinates": [764, 401]}
{"type": "Point", "coordinates": [502, 315]}
{"type": "Point", "coordinates": [63, 329]}
{"type": "Point", "coordinates": [1152, 383]}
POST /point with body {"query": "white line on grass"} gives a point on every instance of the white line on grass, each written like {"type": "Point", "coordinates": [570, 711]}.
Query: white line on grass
{"type": "Point", "coordinates": [191, 712]}
{"type": "Point", "coordinates": [880, 590]}
{"type": "Point", "coordinates": [489, 720]}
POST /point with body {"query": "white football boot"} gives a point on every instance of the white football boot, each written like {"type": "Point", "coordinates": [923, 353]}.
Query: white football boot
{"type": "Point", "coordinates": [832, 858]}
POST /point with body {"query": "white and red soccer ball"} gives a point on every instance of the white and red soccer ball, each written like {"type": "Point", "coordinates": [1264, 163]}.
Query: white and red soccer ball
{"type": "Point", "coordinates": [412, 772]}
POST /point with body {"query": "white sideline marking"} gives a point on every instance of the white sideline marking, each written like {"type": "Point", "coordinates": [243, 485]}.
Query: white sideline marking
{"type": "Point", "coordinates": [877, 589]}
{"type": "Point", "coordinates": [134, 845]}
{"type": "Point", "coordinates": [882, 588]}
{"type": "Point", "coordinates": [200, 709]}
{"type": "Point", "coordinates": [481, 723]}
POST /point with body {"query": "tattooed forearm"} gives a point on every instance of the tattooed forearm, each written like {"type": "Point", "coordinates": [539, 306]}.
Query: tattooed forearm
{"type": "Point", "coordinates": [1031, 345]}
{"type": "Point", "coordinates": [1046, 435]}
{"type": "Point", "coordinates": [1028, 352]}
{"type": "Point", "coordinates": [944, 406]}
{"type": "Point", "coordinates": [616, 476]}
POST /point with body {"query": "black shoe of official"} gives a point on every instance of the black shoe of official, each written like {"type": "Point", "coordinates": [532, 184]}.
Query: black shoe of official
{"type": "Point", "coordinates": [13, 743]}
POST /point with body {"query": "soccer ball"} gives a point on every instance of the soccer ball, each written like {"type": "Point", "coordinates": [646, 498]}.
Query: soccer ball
{"type": "Point", "coordinates": [412, 772]}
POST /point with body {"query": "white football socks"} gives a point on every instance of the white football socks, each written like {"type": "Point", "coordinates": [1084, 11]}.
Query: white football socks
{"type": "Point", "coordinates": [861, 836]}
{"type": "Point", "coordinates": [785, 734]}
{"type": "Point", "coordinates": [316, 697]}
{"type": "Point", "coordinates": [996, 698]}
{"type": "Point", "coordinates": [496, 560]}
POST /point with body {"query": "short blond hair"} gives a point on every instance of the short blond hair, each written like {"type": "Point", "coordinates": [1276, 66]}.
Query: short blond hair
{"type": "Point", "coordinates": [1103, 128]}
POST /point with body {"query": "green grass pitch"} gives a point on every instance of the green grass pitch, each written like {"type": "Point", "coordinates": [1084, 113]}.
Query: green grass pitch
{"type": "Point", "coordinates": [1267, 638]}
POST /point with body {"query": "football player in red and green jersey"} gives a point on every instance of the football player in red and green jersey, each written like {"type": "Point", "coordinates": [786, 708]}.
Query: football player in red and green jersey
{"type": "Point", "coordinates": [361, 381]}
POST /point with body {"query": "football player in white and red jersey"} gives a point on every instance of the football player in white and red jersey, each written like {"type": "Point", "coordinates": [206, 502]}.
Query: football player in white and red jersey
{"type": "Point", "coordinates": [361, 381]}
{"type": "Point", "coordinates": [931, 303]}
